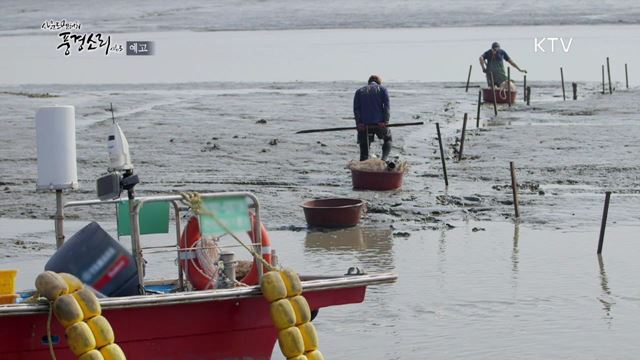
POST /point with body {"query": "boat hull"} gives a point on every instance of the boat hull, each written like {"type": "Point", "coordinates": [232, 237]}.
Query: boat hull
{"type": "Point", "coordinates": [232, 326]}
{"type": "Point", "coordinates": [502, 97]}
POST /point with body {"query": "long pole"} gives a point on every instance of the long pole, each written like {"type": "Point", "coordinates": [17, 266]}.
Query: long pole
{"type": "Point", "coordinates": [354, 128]}
{"type": "Point", "coordinates": [444, 165]}
{"type": "Point", "coordinates": [603, 91]}
{"type": "Point", "coordinates": [524, 88]}
{"type": "Point", "coordinates": [603, 225]}
{"type": "Point", "coordinates": [509, 84]}
{"type": "Point", "coordinates": [609, 77]}
{"type": "Point", "coordinates": [466, 89]}
{"type": "Point", "coordinates": [493, 89]}
{"type": "Point", "coordinates": [514, 188]}
{"type": "Point", "coordinates": [464, 129]}
{"type": "Point", "coordinates": [562, 78]}
{"type": "Point", "coordinates": [478, 113]}
{"type": "Point", "coordinates": [59, 220]}
{"type": "Point", "coordinates": [626, 75]}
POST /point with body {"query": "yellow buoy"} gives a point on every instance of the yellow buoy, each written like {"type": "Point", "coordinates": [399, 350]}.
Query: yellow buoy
{"type": "Point", "coordinates": [88, 302]}
{"type": "Point", "coordinates": [299, 357]}
{"type": "Point", "coordinates": [301, 308]}
{"type": "Point", "coordinates": [73, 283]}
{"type": "Point", "coordinates": [272, 286]}
{"type": "Point", "coordinates": [291, 282]}
{"type": "Point", "coordinates": [79, 338]}
{"type": "Point", "coordinates": [51, 285]}
{"type": "Point", "coordinates": [91, 355]}
{"type": "Point", "coordinates": [309, 336]}
{"type": "Point", "coordinates": [314, 355]}
{"type": "Point", "coordinates": [67, 310]}
{"type": "Point", "coordinates": [282, 314]}
{"type": "Point", "coordinates": [112, 352]}
{"type": "Point", "coordinates": [101, 330]}
{"type": "Point", "coordinates": [291, 342]}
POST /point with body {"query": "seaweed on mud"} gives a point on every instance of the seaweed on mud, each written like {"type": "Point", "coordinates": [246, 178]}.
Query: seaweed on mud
{"type": "Point", "coordinates": [29, 95]}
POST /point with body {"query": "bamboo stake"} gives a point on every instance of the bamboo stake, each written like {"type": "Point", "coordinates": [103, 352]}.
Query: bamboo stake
{"type": "Point", "coordinates": [493, 89]}
{"type": "Point", "coordinates": [444, 165]}
{"type": "Point", "coordinates": [609, 77]}
{"type": "Point", "coordinates": [524, 88]}
{"type": "Point", "coordinates": [466, 89]}
{"type": "Point", "coordinates": [464, 129]}
{"type": "Point", "coordinates": [478, 114]}
{"type": "Point", "coordinates": [603, 91]}
{"type": "Point", "coordinates": [514, 187]}
{"type": "Point", "coordinates": [626, 75]}
{"type": "Point", "coordinates": [528, 94]}
{"type": "Point", "coordinates": [562, 78]}
{"type": "Point", "coordinates": [603, 225]}
{"type": "Point", "coordinates": [509, 84]}
{"type": "Point", "coordinates": [574, 86]}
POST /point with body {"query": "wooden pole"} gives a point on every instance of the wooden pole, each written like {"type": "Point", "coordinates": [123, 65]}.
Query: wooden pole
{"type": "Point", "coordinates": [528, 95]}
{"type": "Point", "coordinates": [464, 129]}
{"type": "Point", "coordinates": [444, 165]}
{"type": "Point", "coordinates": [575, 91]}
{"type": "Point", "coordinates": [524, 88]}
{"type": "Point", "coordinates": [562, 78]}
{"type": "Point", "coordinates": [603, 91]}
{"type": "Point", "coordinates": [493, 89]}
{"type": "Point", "coordinates": [626, 75]}
{"type": "Point", "coordinates": [603, 225]}
{"type": "Point", "coordinates": [609, 77]}
{"type": "Point", "coordinates": [514, 187]}
{"type": "Point", "coordinates": [509, 84]}
{"type": "Point", "coordinates": [466, 89]}
{"type": "Point", "coordinates": [478, 113]}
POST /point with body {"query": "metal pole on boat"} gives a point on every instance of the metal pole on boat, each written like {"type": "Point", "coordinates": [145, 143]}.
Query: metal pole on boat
{"type": "Point", "coordinates": [466, 89]}
{"type": "Point", "coordinates": [626, 75]}
{"type": "Point", "coordinates": [493, 89]}
{"type": "Point", "coordinates": [562, 79]}
{"type": "Point", "coordinates": [444, 165]}
{"type": "Point", "coordinates": [59, 220]}
{"type": "Point", "coordinates": [603, 91]}
{"type": "Point", "coordinates": [528, 95]}
{"type": "Point", "coordinates": [134, 210]}
{"type": "Point", "coordinates": [514, 188]}
{"type": "Point", "coordinates": [464, 129]}
{"type": "Point", "coordinates": [603, 225]}
{"type": "Point", "coordinates": [609, 77]}
{"type": "Point", "coordinates": [509, 84]}
{"type": "Point", "coordinates": [574, 86]}
{"type": "Point", "coordinates": [478, 114]}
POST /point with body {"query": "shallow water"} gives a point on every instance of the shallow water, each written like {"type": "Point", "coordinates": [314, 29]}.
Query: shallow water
{"type": "Point", "coordinates": [480, 290]}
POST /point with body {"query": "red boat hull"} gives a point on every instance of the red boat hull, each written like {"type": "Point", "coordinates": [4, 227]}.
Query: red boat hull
{"type": "Point", "coordinates": [366, 180]}
{"type": "Point", "coordinates": [502, 97]}
{"type": "Point", "coordinates": [218, 329]}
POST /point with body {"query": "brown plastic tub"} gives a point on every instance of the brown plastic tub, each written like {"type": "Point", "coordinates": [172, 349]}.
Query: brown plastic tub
{"type": "Point", "coordinates": [333, 212]}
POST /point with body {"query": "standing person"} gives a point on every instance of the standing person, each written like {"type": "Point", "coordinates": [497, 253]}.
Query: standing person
{"type": "Point", "coordinates": [371, 107]}
{"type": "Point", "coordinates": [491, 63]}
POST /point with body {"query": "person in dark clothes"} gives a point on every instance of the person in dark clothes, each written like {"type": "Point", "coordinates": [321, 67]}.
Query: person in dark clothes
{"type": "Point", "coordinates": [491, 62]}
{"type": "Point", "coordinates": [371, 110]}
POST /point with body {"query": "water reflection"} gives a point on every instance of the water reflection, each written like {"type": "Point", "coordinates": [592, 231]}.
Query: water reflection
{"type": "Point", "coordinates": [515, 258]}
{"type": "Point", "coordinates": [605, 297]}
{"type": "Point", "coordinates": [372, 245]}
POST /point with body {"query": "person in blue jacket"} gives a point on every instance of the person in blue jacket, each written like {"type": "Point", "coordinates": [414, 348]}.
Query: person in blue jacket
{"type": "Point", "coordinates": [371, 110]}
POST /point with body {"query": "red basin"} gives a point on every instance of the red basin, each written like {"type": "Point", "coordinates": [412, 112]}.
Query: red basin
{"type": "Point", "coordinates": [502, 97]}
{"type": "Point", "coordinates": [366, 180]}
{"type": "Point", "coordinates": [333, 213]}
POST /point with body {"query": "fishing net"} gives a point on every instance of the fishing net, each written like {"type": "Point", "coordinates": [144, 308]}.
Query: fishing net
{"type": "Point", "coordinates": [378, 165]}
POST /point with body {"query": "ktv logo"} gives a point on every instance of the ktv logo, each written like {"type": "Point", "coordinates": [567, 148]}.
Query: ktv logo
{"type": "Point", "coordinates": [542, 44]}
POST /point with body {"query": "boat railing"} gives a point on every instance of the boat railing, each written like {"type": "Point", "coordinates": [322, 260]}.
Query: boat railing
{"type": "Point", "coordinates": [136, 204]}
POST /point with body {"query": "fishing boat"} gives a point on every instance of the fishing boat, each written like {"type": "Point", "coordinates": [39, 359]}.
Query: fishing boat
{"type": "Point", "coordinates": [502, 95]}
{"type": "Point", "coordinates": [176, 318]}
